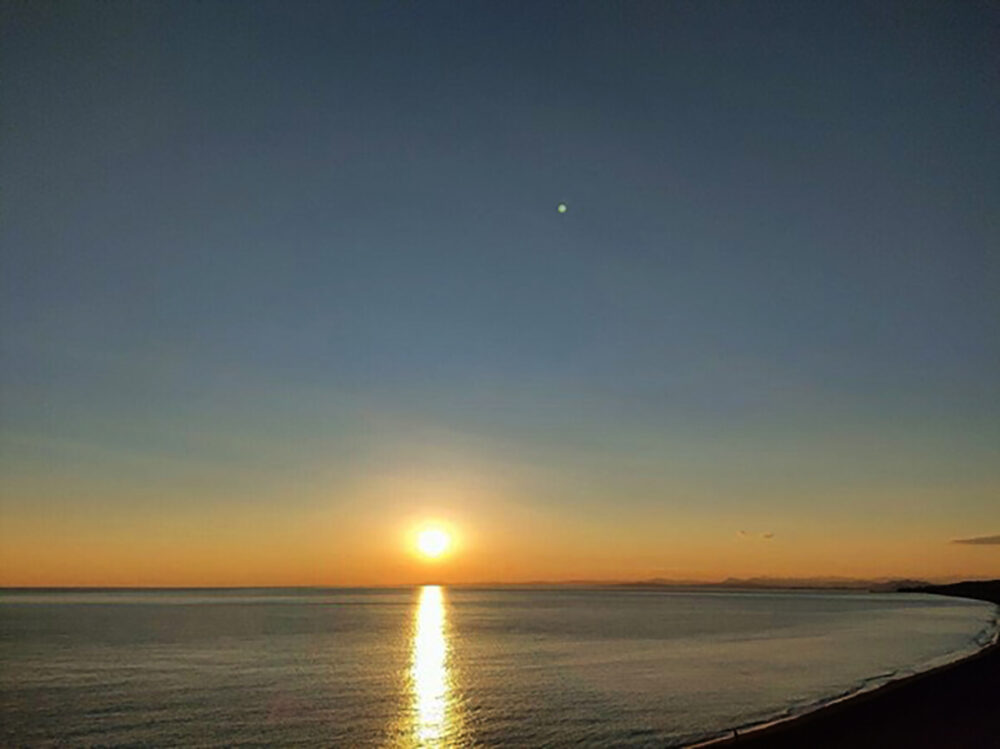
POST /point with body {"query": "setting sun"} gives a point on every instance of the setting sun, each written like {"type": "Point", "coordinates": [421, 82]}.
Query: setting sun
{"type": "Point", "coordinates": [433, 542]}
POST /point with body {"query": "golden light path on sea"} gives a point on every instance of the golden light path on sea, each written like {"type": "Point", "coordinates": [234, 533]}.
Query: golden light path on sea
{"type": "Point", "coordinates": [433, 708]}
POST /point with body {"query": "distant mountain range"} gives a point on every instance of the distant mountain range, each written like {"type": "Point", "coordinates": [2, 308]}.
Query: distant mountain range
{"type": "Point", "coordinates": [736, 583]}
{"type": "Point", "coordinates": [826, 583]}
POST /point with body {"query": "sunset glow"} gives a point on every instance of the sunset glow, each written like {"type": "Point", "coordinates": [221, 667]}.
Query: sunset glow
{"type": "Point", "coordinates": [488, 374]}
{"type": "Point", "coordinates": [433, 542]}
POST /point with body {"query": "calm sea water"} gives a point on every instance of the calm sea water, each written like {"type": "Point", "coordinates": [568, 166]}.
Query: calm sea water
{"type": "Point", "coordinates": [440, 667]}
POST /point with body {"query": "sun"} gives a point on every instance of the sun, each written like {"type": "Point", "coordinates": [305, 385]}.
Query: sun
{"type": "Point", "coordinates": [433, 542]}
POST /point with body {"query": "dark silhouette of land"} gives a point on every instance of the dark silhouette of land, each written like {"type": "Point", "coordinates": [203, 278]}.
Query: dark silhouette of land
{"type": "Point", "coordinates": [957, 705]}
{"type": "Point", "coordinates": [983, 590]}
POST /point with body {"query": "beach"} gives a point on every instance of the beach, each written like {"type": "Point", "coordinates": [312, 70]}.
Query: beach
{"type": "Point", "coordinates": [951, 706]}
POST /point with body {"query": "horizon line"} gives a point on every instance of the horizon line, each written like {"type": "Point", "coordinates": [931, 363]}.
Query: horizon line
{"type": "Point", "coordinates": [753, 582]}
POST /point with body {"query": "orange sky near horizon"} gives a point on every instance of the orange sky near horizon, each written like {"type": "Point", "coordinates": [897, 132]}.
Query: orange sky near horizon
{"type": "Point", "coordinates": [367, 539]}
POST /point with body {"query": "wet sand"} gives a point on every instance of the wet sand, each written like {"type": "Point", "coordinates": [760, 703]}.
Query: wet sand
{"type": "Point", "coordinates": [957, 705]}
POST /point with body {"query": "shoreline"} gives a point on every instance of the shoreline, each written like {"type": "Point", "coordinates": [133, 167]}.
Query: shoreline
{"type": "Point", "coordinates": [949, 705]}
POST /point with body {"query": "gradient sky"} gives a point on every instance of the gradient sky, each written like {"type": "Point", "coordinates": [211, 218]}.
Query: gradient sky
{"type": "Point", "coordinates": [281, 282]}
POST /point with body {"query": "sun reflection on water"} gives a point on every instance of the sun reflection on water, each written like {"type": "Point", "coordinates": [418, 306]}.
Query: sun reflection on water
{"type": "Point", "coordinates": [433, 708]}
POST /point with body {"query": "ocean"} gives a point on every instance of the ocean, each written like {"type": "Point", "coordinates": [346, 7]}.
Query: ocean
{"type": "Point", "coordinates": [434, 666]}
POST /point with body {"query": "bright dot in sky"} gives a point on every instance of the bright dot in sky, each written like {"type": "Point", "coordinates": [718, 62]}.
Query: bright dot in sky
{"type": "Point", "coordinates": [562, 208]}
{"type": "Point", "coordinates": [433, 542]}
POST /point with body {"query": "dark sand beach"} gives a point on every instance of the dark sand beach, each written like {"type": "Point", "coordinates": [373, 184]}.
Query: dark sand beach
{"type": "Point", "coordinates": [957, 705]}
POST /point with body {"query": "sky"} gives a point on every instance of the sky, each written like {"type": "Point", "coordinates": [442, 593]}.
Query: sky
{"type": "Point", "coordinates": [283, 283]}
